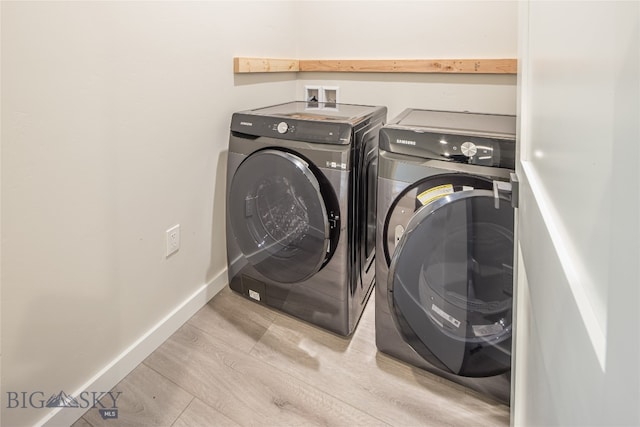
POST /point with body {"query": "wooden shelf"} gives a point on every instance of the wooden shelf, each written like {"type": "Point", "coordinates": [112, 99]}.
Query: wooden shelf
{"type": "Point", "coordinates": [455, 66]}
{"type": "Point", "coordinates": [265, 65]}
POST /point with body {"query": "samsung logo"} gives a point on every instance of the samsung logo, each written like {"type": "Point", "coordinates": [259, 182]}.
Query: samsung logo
{"type": "Point", "coordinates": [246, 124]}
{"type": "Point", "coordinates": [405, 142]}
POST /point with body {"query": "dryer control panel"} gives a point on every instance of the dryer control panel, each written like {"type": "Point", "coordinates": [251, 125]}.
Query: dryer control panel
{"type": "Point", "coordinates": [473, 150]}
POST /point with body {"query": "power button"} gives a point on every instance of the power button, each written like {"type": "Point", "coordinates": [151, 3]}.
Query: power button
{"type": "Point", "coordinates": [283, 127]}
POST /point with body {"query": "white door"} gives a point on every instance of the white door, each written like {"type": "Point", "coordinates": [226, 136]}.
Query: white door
{"type": "Point", "coordinates": [577, 358]}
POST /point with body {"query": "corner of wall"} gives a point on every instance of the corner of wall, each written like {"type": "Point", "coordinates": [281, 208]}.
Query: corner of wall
{"type": "Point", "coordinates": [125, 362]}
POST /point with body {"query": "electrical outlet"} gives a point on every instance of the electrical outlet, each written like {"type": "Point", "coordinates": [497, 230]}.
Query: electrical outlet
{"type": "Point", "coordinates": [173, 239]}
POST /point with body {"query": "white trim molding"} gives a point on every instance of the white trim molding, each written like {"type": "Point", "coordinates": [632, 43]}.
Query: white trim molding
{"type": "Point", "coordinates": [127, 361]}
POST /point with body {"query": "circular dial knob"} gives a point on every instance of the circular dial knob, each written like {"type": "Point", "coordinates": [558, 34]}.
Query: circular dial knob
{"type": "Point", "coordinates": [469, 149]}
{"type": "Point", "coordinates": [283, 127]}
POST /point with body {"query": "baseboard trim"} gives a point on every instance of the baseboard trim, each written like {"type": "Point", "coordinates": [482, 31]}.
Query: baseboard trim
{"type": "Point", "coordinates": [126, 361]}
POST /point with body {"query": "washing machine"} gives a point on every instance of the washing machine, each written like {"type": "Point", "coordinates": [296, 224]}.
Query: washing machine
{"type": "Point", "coordinates": [301, 209]}
{"type": "Point", "coordinates": [444, 271]}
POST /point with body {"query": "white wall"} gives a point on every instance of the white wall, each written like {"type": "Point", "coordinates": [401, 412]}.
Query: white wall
{"type": "Point", "coordinates": [578, 323]}
{"type": "Point", "coordinates": [115, 120]}
{"type": "Point", "coordinates": [411, 30]}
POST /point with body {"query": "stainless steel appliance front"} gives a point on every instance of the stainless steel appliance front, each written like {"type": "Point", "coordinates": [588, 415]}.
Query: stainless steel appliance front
{"type": "Point", "coordinates": [444, 270]}
{"type": "Point", "coordinates": [299, 209]}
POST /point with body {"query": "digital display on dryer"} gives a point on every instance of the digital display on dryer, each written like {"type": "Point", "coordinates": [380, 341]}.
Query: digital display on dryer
{"type": "Point", "coordinates": [324, 132]}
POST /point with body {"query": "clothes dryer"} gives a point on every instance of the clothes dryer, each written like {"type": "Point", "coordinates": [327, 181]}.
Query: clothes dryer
{"type": "Point", "coordinates": [301, 209]}
{"type": "Point", "coordinates": [445, 245]}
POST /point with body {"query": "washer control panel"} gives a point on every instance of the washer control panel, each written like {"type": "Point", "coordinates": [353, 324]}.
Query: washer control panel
{"type": "Point", "coordinates": [320, 131]}
{"type": "Point", "coordinates": [283, 127]}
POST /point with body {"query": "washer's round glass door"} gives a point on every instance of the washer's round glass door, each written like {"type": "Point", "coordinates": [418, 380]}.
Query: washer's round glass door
{"type": "Point", "coordinates": [451, 281]}
{"type": "Point", "coordinates": [278, 216]}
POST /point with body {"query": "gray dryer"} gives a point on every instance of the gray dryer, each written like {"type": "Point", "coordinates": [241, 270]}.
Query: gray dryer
{"type": "Point", "coordinates": [444, 270]}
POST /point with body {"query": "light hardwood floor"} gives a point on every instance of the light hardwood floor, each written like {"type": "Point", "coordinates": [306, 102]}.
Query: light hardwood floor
{"type": "Point", "coordinates": [239, 363]}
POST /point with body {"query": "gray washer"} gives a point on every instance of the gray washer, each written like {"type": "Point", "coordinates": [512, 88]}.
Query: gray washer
{"type": "Point", "coordinates": [444, 269]}
{"type": "Point", "coordinates": [300, 186]}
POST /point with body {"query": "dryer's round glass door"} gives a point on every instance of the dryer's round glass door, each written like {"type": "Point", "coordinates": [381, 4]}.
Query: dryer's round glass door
{"type": "Point", "coordinates": [278, 216]}
{"type": "Point", "coordinates": [451, 281]}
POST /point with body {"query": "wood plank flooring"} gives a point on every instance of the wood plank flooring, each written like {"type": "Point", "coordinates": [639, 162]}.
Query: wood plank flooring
{"type": "Point", "coordinates": [237, 363]}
